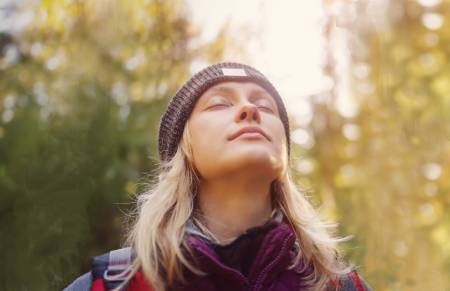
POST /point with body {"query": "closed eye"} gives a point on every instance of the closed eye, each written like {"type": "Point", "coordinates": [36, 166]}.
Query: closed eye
{"type": "Point", "coordinates": [266, 108]}
{"type": "Point", "coordinates": [218, 105]}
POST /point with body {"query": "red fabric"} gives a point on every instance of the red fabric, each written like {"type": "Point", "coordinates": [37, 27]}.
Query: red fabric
{"type": "Point", "coordinates": [139, 283]}
{"type": "Point", "coordinates": [356, 280]}
{"type": "Point", "coordinates": [335, 282]}
{"type": "Point", "coordinates": [98, 285]}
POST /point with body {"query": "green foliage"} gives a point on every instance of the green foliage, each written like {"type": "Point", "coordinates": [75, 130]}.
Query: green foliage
{"type": "Point", "coordinates": [384, 174]}
{"type": "Point", "coordinates": [82, 89]}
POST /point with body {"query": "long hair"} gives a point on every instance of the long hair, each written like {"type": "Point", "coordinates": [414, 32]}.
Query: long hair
{"type": "Point", "coordinates": [157, 233]}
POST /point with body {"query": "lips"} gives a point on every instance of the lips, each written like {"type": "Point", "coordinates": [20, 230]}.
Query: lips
{"type": "Point", "coordinates": [249, 129]}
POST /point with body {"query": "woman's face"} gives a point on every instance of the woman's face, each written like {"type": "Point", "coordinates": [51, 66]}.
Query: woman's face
{"type": "Point", "coordinates": [218, 118]}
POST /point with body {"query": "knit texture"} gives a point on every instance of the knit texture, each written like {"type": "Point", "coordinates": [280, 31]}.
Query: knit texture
{"type": "Point", "coordinates": [182, 103]}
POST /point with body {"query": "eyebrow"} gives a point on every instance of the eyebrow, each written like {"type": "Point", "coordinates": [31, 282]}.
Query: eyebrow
{"type": "Point", "coordinates": [258, 91]}
{"type": "Point", "coordinates": [227, 90]}
{"type": "Point", "coordinates": [221, 89]}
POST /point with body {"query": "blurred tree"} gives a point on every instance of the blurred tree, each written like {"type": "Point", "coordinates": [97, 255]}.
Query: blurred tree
{"type": "Point", "coordinates": [82, 88]}
{"type": "Point", "coordinates": [381, 162]}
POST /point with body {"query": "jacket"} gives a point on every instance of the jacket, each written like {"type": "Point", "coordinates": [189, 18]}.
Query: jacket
{"type": "Point", "coordinates": [274, 251]}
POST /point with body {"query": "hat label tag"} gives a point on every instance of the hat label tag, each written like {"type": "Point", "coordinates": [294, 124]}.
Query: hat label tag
{"type": "Point", "coordinates": [234, 72]}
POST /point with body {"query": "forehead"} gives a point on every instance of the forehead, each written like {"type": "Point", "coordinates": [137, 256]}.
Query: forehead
{"type": "Point", "coordinates": [233, 87]}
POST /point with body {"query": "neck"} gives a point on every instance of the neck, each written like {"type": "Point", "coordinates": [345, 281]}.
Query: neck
{"type": "Point", "coordinates": [231, 205]}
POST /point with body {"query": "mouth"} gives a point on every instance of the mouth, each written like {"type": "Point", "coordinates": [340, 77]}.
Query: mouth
{"type": "Point", "coordinates": [251, 131]}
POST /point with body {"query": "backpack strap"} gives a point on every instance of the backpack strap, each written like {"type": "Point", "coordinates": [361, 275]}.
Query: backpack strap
{"type": "Point", "coordinates": [352, 281]}
{"type": "Point", "coordinates": [111, 269]}
{"type": "Point", "coordinates": [82, 283]}
{"type": "Point", "coordinates": [355, 278]}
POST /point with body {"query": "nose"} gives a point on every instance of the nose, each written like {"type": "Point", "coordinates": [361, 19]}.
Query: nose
{"type": "Point", "coordinates": [248, 112]}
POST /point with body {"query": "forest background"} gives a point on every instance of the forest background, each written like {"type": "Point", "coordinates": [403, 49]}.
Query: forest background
{"type": "Point", "coordinates": [83, 85]}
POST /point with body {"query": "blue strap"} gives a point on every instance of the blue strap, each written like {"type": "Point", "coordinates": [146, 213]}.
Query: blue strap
{"type": "Point", "coordinates": [82, 283]}
{"type": "Point", "coordinates": [112, 267]}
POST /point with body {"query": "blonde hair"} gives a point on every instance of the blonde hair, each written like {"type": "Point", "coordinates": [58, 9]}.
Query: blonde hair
{"type": "Point", "coordinates": [157, 233]}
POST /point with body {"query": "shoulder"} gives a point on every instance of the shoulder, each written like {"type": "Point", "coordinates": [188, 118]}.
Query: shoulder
{"type": "Point", "coordinates": [352, 281]}
{"type": "Point", "coordinates": [82, 283]}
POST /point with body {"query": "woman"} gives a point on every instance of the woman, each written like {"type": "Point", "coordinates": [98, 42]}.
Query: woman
{"type": "Point", "coordinates": [224, 213]}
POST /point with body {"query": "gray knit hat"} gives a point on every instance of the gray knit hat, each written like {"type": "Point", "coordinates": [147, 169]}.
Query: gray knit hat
{"type": "Point", "coordinates": [181, 105]}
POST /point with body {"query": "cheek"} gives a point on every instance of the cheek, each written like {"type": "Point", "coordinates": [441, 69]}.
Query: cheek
{"type": "Point", "coordinates": [277, 130]}
{"type": "Point", "coordinates": [208, 143]}
{"type": "Point", "coordinates": [279, 135]}
{"type": "Point", "coordinates": [280, 146]}
{"type": "Point", "coordinates": [205, 138]}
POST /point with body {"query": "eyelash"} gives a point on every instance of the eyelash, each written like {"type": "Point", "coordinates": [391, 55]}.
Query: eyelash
{"type": "Point", "coordinates": [219, 105]}
{"type": "Point", "coordinates": [216, 105]}
{"type": "Point", "coordinates": [265, 107]}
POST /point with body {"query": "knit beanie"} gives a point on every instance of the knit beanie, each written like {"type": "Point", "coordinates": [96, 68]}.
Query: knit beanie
{"type": "Point", "coordinates": [182, 103]}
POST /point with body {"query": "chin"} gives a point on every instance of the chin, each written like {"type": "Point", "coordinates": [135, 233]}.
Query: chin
{"type": "Point", "coordinates": [262, 159]}
{"type": "Point", "coordinates": [257, 165]}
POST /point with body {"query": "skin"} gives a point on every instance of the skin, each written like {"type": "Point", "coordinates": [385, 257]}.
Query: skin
{"type": "Point", "coordinates": [236, 174]}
